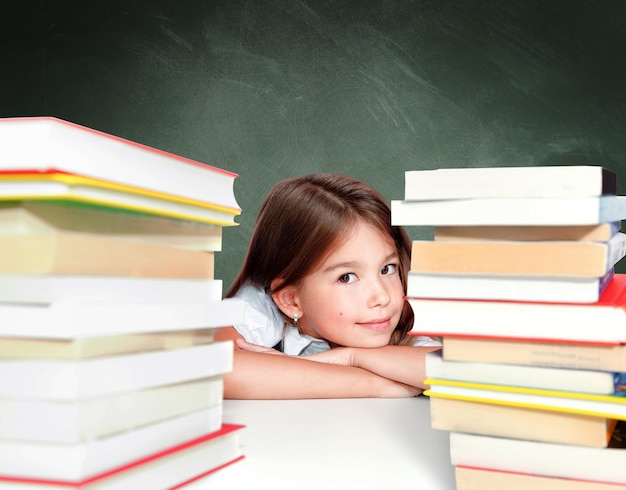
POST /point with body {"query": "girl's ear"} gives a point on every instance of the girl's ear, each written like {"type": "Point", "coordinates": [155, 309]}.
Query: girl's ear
{"type": "Point", "coordinates": [287, 300]}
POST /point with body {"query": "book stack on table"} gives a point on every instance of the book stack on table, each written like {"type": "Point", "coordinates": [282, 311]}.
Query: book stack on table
{"type": "Point", "coordinates": [519, 283]}
{"type": "Point", "coordinates": [110, 376]}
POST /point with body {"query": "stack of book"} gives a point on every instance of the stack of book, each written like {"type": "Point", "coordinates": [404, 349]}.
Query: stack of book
{"type": "Point", "coordinates": [519, 283]}
{"type": "Point", "coordinates": [110, 376]}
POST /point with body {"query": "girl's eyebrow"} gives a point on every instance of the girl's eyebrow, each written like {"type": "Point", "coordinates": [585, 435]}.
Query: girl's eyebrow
{"type": "Point", "coordinates": [354, 263]}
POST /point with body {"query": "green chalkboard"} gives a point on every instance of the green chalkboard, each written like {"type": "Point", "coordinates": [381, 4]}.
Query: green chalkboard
{"type": "Point", "coordinates": [271, 89]}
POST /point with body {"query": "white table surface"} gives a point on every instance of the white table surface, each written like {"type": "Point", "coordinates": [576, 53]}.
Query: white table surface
{"type": "Point", "coordinates": [343, 444]}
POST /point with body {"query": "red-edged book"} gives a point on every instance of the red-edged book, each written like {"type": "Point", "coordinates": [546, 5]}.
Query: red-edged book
{"type": "Point", "coordinates": [601, 323]}
{"type": "Point", "coordinates": [171, 468]}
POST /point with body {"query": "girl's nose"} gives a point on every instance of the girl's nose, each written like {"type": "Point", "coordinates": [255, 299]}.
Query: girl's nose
{"type": "Point", "coordinates": [378, 294]}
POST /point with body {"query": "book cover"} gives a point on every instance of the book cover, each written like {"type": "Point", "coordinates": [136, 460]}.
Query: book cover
{"type": "Point", "coordinates": [532, 181]}
{"type": "Point", "coordinates": [26, 217]}
{"type": "Point", "coordinates": [519, 422]}
{"type": "Point", "coordinates": [592, 233]}
{"type": "Point", "coordinates": [67, 321]}
{"type": "Point", "coordinates": [550, 354]}
{"type": "Point", "coordinates": [44, 143]}
{"type": "Point", "coordinates": [575, 380]}
{"type": "Point", "coordinates": [534, 258]}
{"type": "Point", "coordinates": [59, 187]}
{"type": "Point", "coordinates": [85, 254]}
{"type": "Point", "coordinates": [542, 458]}
{"type": "Point", "coordinates": [74, 421]}
{"type": "Point", "coordinates": [100, 462]}
{"type": "Point", "coordinates": [555, 322]}
{"type": "Point", "coordinates": [564, 289]}
{"type": "Point", "coordinates": [505, 211]}
{"type": "Point", "coordinates": [74, 380]}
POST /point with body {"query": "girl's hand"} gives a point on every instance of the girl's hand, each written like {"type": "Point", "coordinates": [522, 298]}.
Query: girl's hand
{"type": "Point", "coordinates": [247, 346]}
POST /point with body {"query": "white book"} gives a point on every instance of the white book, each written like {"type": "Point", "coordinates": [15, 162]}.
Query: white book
{"type": "Point", "coordinates": [479, 182]}
{"type": "Point", "coordinates": [69, 320]}
{"type": "Point", "coordinates": [44, 143]}
{"type": "Point", "coordinates": [76, 462]}
{"type": "Point", "coordinates": [601, 322]}
{"type": "Point", "coordinates": [512, 288]}
{"type": "Point", "coordinates": [576, 380]}
{"type": "Point", "coordinates": [530, 321]}
{"type": "Point", "coordinates": [509, 211]}
{"type": "Point", "coordinates": [55, 288]}
{"type": "Point", "coordinates": [538, 458]}
{"type": "Point", "coordinates": [71, 422]}
{"type": "Point", "coordinates": [74, 380]}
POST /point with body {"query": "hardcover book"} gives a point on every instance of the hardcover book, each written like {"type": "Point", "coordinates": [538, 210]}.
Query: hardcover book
{"type": "Point", "coordinates": [535, 181]}
{"type": "Point", "coordinates": [556, 322]}
{"type": "Point", "coordinates": [542, 458]}
{"type": "Point", "coordinates": [155, 456]}
{"type": "Point", "coordinates": [551, 354]}
{"type": "Point", "coordinates": [29, 217]}
{"type": "Point", "coordinates": [510, 258]}
{"type": "Point", "coordinates": [564, 289]}
{"type": "Point", "coordinates": [519, 422]}
{"type": "Point", "coordinates": [68, 147]}
{"type": "Point", "coordinates": [509, 211]}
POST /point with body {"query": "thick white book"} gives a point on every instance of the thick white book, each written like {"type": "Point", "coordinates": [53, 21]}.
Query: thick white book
{"type": "Point", "coordinates": [504, 319]}
{"type": "Point", "coordinates": [602, 322]}
{"type": "Point", "coordinates": [76, 462]}
{"type": "Point", "coordinates": [75, 380]}
{"type": "Point", "coordinates": [71, 422]}
{"type": "Point", "coordinates": [71, 320]}
{"type": "Point", "coordinates": [480, 182]}
{"type": "Point", "coordinates": [577, 380]}
{"type": "Point", "coordinates": [505, 211]}
{"type": "Point", "coordinates": [56, 288]}
{"type": "Point", "coordinates": [44, 143]}
{"type": "Point", "coordinates": [538, 458]}
{"type": "Point", "coordinates": [503, 287]}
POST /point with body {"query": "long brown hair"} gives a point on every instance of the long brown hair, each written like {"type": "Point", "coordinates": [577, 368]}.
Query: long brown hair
{"type": "Point", "coordinates": [303, 219]}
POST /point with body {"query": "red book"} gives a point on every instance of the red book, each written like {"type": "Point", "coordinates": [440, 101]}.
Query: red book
{"type": "Point", "coordinates": [171, 468]}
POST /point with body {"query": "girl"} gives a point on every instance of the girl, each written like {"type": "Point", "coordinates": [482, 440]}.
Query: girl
{"type": "Point", "coordinates": [324, 280]}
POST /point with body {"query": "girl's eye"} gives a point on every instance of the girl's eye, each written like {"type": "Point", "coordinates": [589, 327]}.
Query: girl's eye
{"type": "Point", "coordinates": [347, 278]}
{"type": "Point", "coordinates": [389, 269]}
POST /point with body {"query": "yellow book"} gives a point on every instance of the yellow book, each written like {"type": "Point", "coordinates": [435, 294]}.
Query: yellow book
{"type": "Point", "coordinates": [57, 186]}
{"type": "Point", "coordinates": [608, 406]}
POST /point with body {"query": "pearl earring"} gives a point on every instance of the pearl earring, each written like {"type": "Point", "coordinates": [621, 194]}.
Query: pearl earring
{"type": "Point", "coordinates": [295, 319]}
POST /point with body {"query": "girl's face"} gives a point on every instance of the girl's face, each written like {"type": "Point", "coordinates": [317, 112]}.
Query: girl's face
{"type": "Point", "coordinates": [355, 297]}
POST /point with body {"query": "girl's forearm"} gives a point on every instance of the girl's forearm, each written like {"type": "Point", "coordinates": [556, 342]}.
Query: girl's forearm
{"type": "Point", "coordinates": [403, 364]}
{"type": "Point", "coordinates": [265, 376]}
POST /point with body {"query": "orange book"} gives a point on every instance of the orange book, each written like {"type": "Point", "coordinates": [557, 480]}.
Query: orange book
{"type": "Point", "coordinates": [532, 258]}
{"type": "Point", "coordinates": [86, 254]}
